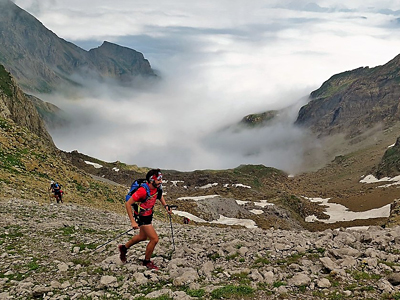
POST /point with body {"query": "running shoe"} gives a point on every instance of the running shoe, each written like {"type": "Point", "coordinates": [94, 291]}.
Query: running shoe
{"type": "Point", "coordinates": [122, 253]}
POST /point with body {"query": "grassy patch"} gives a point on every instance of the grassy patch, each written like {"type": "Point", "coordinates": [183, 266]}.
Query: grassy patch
{"type": "Point", "coordinates": [261, 261]}
{"type": "Point", "coordinates": [5, 81]}
{"type": "Point", "coordinates": [33, 265]}
{"type": "Point", "coordinates": [231, 291]}
{"type": "Point", "coordinates": [242, 278]}
{"type": "Point", "coordinates": [194, 293]}
{"type": "Point", "coordinates": [82, 262]}
{"type": "Point", "coordinates": [231, 257]}
{"type": "Point", "coordinates": [4, 124]}
{"type": "Point", "coordinates": [213, 256]}
{"type": "Point", "coordinates": [11, 160]}
{"type": "Point", "coordinates": [358, 275]}
{"type": "Point", "coordinates": [68, 230]}
{"type": "Point", "coordinates": [294, 258]}
{"type": "Point", "coordinates": [277, 284]}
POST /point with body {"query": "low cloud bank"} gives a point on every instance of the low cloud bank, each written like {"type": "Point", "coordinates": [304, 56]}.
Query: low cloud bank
{"type": "Point", "coordinates": [217, 65]}
{"type": "Point", "coordinates": [174, 128]}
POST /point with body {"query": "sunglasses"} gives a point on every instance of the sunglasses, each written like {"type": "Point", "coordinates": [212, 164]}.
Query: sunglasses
{"type": "Point", "coordinates": [157, 177]}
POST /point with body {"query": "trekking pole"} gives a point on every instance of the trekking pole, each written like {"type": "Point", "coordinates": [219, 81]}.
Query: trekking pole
{"type": "Point", "coordinates": [172, 232]}
{"type": "Point", "coordinates": [113, 239]}
{"type": "Point", "coordinates": [170, 222]}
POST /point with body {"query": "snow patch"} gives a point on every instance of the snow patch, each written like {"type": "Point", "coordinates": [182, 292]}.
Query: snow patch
{"type": "Point", "coordinates": [372, 179]}
{"type": "Point", "coordinates": [263, 203]}
{"type": "Point", "coordinates": [233, 221]}
{"type": "Point", "coordinates": [207, 186]}
{"type": "Point", "coordinates": [241, 185]}
{"type": "Point", "coordinates": [189, 215]}
{"type": "Point", "coordinates": [240, 202]}
{"type": "Point", "coordinates": [338, 212]}
{"type": "Point", "coordinates": [198, 198]}
{"type": "Point", "coordinates": [97, 166]}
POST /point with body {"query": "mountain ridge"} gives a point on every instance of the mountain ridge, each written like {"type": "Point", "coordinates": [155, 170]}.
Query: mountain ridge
{"type": "Point", "coordinates": [354, 101]}
{"type": "Point", "coordinates": [25, 44]}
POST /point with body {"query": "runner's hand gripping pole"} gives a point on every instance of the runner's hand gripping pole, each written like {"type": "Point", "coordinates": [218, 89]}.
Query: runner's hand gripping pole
{"type": "Point", "coordinates": [170, 221]}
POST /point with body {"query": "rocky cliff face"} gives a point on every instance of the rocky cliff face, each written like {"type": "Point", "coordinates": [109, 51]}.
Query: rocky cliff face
{"type": "Point", "coordinates": [40, 61]}
{"type": "Point", "coordinates": [16, 106]}
{"type": "Point", "coordinates": [354, 101]}
{"type": "Point", "coordinates": [257, 120]}
{"type": "Point", "coordinates": [126, 62]}
{"type": "Point", "coordinates": [51, 114]}
{"type": "Point", "coordinates": [29, 159]}
{"type": "Point", "coordinates": [390, 163]}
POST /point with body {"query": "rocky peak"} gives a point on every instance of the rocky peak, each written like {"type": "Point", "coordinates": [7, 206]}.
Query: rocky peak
{"type": "Point", "coordinates": [354, 101]}
{"type": "Point", "coordinates": [25, 44]}
{"type": "Point", "coordinates": [123, 57]}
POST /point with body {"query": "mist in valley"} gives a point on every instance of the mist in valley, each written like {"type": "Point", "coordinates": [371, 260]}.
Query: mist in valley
{"type": "Point", "coordinates": [216, 63]}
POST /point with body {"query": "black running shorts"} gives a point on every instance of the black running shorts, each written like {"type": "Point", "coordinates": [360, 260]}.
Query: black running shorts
{"type": "Point", "coordinates": [143, 220]}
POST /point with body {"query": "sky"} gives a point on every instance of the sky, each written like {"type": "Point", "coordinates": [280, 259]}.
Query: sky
{"type": "Point", "coordinates": [218, 61]}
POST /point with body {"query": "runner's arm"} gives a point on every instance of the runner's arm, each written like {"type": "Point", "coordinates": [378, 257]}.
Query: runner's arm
{"type": "Point", "coordinates": [169, 210]}
{"type": "Point", "coordinates": [128, 205]}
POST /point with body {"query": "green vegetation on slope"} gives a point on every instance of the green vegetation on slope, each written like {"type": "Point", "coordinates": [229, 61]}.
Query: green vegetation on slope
{"type": "Point", "coordinates": [5, 81]}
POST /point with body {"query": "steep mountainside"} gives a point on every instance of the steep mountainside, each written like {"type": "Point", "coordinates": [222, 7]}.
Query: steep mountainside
{"type": "Point", "coordinates": [29, 159]}
{"type": "Point", "coordinates": [14, 105]}
{"type": "Point", "coordinates": [390, 163]}
{"type": "Point", "coordinates": [40, 61]}
{"type": "Point", "coordinates": [354, 101]}
{"type": "Point", "coordinates": [51, 114]}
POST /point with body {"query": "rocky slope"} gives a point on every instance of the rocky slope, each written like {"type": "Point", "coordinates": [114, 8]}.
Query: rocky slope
{"type": "Point", "coordinates": [354, 101]}
{"type": "Point", "coordinates": [390, 163]}
{"type": "Point", "coordinates": [29, 159]}
{"type": "Point", "coordinates": [25, 44]}
{"type": "Point", "coordinates": [14, 105]}
{"type": "Point", "coordinates": [48, 253]}
{"type": "Point", "coordinates": [52, 115]}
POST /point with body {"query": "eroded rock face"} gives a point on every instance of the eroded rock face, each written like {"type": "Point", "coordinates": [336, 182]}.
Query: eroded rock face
{"type": "Point", "coordinates": [16, 106]}
{"type": "Point", "coordinates": [390, 163]}
{"type": "Point", "coordinates": [353, 101]}
{"type": "Point", "coordinates": [25, 44]}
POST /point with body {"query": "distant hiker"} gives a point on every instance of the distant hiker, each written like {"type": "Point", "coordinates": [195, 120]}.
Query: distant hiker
{"type": "Point", "coordinates": [146, 194]}
{"type": "Point", "coordinates": [186, 220]}
{"type": "Point", "coordinates": [56, 189]}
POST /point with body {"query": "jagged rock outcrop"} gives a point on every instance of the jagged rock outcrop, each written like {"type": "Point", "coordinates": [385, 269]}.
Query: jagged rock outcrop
{"type": "Point", "coordinates": [16, 106]}
{"type": "Point", "coordinates": [390, 163]}
{"type": "Point", "coordinates": [261, 119]}
{"type": "Point", "coordinates": [51, 114]}
{"type": "Point", "coordinates": [40, 61]}
{"type": "Point", "coordinates": [354, 101]}
{"type": "Point", "coordinates": [126, 62]}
